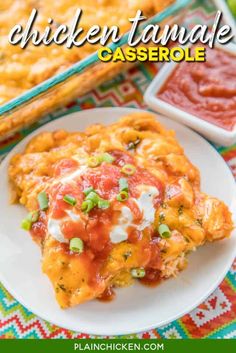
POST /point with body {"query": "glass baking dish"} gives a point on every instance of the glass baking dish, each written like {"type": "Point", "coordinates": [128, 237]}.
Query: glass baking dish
{"type": "Point", "coordinates": [75, 81]}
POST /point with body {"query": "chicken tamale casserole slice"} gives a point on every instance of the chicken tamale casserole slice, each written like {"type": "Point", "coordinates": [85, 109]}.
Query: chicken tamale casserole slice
{"type": "Point", "coordinates": [113, 204]}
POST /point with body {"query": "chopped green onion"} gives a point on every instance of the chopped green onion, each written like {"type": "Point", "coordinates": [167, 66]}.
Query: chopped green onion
{"type": "Point", "coordinates": [88, 190]}
{"type": "Point", "coordinates": [70, 200]}
{"type": "Point", "coordinates": [26, 224]}
{"type": "Point", "coordinates": [122, 196]}
{"type": "Point", "coordinates": [92, 199]}
{"type": "Point", "coordinates": [128, 169]}
{"type": "Point", "coordinates": [123, 184]}
{"type": "Point", "coordinates": [93, 196]}
{"type": "Point", "coordinates": [32, 217]}
{"type": "Point", "coordinates": [107, 157]}
{"type": "Point", "coordinates": [43, 200]}
{"type": "Point", "coordinates": [87, 206]}
{"type": "Point", "coordinates": [76, 245]}
{"type": "Point", "coordinates": [138, 272]}
{"type": "Point", "coordinates": [103, 204]}
{"type": "Point", "coordinates": [164, 231]}
{"type": "Point", "coordinates": [94, 161]}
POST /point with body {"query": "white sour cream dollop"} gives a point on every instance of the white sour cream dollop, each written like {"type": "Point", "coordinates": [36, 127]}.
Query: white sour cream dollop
{"type": "Point", "coordinates": [145, 203]}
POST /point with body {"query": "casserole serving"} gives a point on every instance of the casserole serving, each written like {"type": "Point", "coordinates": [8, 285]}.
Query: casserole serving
{"type": "Point", "coordinates": [113, 204]}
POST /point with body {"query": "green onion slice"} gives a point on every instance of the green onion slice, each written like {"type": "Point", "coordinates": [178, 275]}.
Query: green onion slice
{"type": "Point", "coordinates": [103, 204]}
{"type": "Point", "coordinates": [123, 184]}
{"type": "Point", "coordinates": [92, 199]}
{"type": "Point", "coordinates": [87, 206]}
{"type": "Point", "coordinates": [128, 169]}
{"type": "Point", "coordinates": [43, 200]}
{"type": "Point", "coordinates": [107, 157]}
{"type": "Point", "coordinates": [76, 245]}
{"type": "Point", "coordinates": [93, 196]}
{"type": "Point", "coordinates": [138, 272]}
{"type": "Point", "coordinates": [164, 231]}
{"type": "Point", "coordinates": [88, 190]}
{"type": "Point", "coordinates": [34, 216]}
{"type": "Point", "coordinates": [122, 196]}
{"type": "Point", "coordinates": [26, 224]}
{"type": "Point", "coordinates": [31, 218]}
{"type": "Point", "coordinates": [70, 200]}
{"type": "Point", "coordinates": [94, 161]}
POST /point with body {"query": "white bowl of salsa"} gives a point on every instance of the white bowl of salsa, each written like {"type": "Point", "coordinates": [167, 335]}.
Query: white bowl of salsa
{"type": "Point", "coordinates": [201, 95]}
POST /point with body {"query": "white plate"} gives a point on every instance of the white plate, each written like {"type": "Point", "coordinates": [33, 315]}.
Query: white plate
{"type": "Point", "coordinates": [136, 308]}
{"type": "Point", "coordinates": [210, 131]}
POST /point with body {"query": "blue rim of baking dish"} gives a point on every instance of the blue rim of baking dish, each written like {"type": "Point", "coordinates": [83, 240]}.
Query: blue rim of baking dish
{"type": "Point", "coordinates": [84, 64]}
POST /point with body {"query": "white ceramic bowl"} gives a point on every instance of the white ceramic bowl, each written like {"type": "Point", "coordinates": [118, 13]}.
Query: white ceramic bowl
{"type": "Point", "coordinates": [210, 131]}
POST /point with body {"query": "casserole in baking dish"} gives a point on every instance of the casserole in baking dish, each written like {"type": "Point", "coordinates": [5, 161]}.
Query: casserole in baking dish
{"type": "Point", "coordinates": [36, 80]}
{"type": "Point", "coordinates": [23, 69]}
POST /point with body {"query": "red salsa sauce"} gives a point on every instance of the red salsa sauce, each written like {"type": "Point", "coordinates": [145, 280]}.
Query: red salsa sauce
{"type": "Point", "coordinates": [152, 278]}
{"type": "Point", "coordinates": [205, 89]}
{"type": "Point", "coordinates": [107, 296]}
{"type": "Point", "coordinates": [94, 228]}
